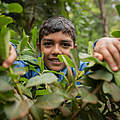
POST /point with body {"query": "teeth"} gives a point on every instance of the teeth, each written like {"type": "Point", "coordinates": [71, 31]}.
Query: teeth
{"type": "Point", "coordinates": [56, 60]}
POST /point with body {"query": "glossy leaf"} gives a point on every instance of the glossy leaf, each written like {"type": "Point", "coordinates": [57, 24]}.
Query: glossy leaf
{"type": "Point", "coordinates": [4, 43]}
{"type": "Point", "coordinates": [69, 61]}
{"type": "Point", "coordinates": [4, 20]}
{"type": "Point", "coordinates": [12, 8]}
{"type": "Point", "coordinates": [101, 75]}
{"type": "Point", "coordinates": [117, 77]}
{"type": "Point", "coordinates": [75, 58]}
{"type": "Point", "coordinates": [87, 96]}
{"type": "Point", "coordinates": [112, 89]}
{"type": "Point", "coordinates": [24, 41]}
{"type": "Point", "coordinates": [45, 78]}
{"type": "Point", "coordinates": [41, 92]}
{"type": "Point", "coordinates": [49, 101]}
{"type": "Point", "coordinates": [34, 37]}
{"type": "Point", "coordinates": [118, 8]}
{"type": "Point", "coordinates": [116, 34]}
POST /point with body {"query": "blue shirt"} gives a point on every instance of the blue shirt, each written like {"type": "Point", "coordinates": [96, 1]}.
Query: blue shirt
{"type": "Point", "coordinates": [32, 73]}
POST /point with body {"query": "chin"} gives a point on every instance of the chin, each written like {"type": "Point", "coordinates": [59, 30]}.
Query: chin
{"type": "Point", "coordinates": [57, 69]}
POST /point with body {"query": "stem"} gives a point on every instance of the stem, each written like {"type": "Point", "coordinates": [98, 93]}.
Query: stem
{"type": "Point", "coordinates": [17, 84]}
{"type": "Point", "coordinates": [84, 104]}
{"type": "Point", "coordinates": [31, 47]}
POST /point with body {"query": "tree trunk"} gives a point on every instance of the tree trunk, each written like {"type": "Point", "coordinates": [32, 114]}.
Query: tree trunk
{"type": "Point", "coordinates": [103, 17]}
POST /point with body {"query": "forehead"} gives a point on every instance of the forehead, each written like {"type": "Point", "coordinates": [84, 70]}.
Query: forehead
{"type": "Point", "coordinates": [57, 36]}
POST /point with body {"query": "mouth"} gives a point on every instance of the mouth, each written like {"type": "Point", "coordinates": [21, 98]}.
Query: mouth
{"type": "Point", "coordinates": [55, 61]}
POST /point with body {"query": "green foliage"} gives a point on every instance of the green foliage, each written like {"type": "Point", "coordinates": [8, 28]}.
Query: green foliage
{"type": "Point", "coordinates": [4, 20]}
{"type": "Point", "coordinates": [4, 42]}
{"type": "Point", "coordinates": [43, 97]}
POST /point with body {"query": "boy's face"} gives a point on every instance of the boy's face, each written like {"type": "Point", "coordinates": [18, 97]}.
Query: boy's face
{"type": "Point", "coordinates": [53, 45]}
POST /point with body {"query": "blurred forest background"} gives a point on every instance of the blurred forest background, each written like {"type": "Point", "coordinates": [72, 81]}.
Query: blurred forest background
{"type": "Point", "coordinates": [93, 19]}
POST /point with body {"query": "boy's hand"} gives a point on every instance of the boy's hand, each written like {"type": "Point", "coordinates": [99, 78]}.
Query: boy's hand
{"type": "Point", "coordinates": [109, 49]}
{"type": "Point", "coordinates": [12, 57]}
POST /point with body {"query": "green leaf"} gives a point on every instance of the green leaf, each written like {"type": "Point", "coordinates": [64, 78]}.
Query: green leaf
{"type": "Point", "coordinates": [90, 48]}
{"type": "Point", "coordinates": [42, 92]}
{"type": "Point", "coordinates": [69, 61]}
{"type": "Point", "coordinates": [19, 70]}
{"type": "Point", "coordinates": [37, 113]}
{"type": "Point", "coordinates": [118, 8]}
{"type": "Point", "coordinates": [26, 91]}
{"type": "Point", "coordinates": [16, 110]}
{"type": "Point", "coordinates": [49, 101]}
{"type": "Point", "coordinates": [29, 58]}
{"type": "Point", "coordinates": [113, 90]}
{"type": "Point", "coordinates": [45, 78]}
{"type": "Point", "coordinates": [117, 77]}
{"type": "Point", "coordinates": [24, 41]}
{"type": "Point", "coordinates": [4, 43]}
{"type": "Point", "coordinates": [87, 96]}
{"type": "Point", "coordinates": [4, 20]}
{"type": "Point", "coordinates": [34, 37]}
{"type": "Point", "coordinates": [101, 75]}
{"type": "Point", "coordinates": [116, 34]}
{"type": "Point", "coordinates": [14, 8]}
{"type": "Point", "coordinates": [5, 86]}
{"type": "Point", "coordinates": [75, 58]}
{"type": "Point", "coordinates": [40, 62]}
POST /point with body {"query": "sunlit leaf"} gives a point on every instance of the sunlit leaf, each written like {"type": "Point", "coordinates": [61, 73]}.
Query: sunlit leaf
{"type": "Point", "coordinates": [13, 8]}
{"type": "Point", "coordinates": [43, 79]}
{"type": "Point", "coordinates": [4, 20]}
{"type": "Point", "coordinates": [69, 61]}
{"type": "Point", "coordinates": [42, 92]}
{"type": "Point", "coordinates": [34, 37]}
{"type": "Point", "coordinates": [75, 58]}
{"type": "Point", "coordinates": [4, 42]}
{"type": "Point", "coordinates": [24, 41]}
{"type": "Point", "coordinates": [116, 34]}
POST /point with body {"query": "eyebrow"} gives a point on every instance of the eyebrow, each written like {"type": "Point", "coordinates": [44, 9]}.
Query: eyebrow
{"type": "Point", "coordinates": [67, 40]}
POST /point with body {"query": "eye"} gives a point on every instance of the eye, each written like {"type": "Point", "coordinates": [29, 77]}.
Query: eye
{"type": "Point", "coordinates": [66, 45]}
{"type": "Point", "coordinates": [47, 44]}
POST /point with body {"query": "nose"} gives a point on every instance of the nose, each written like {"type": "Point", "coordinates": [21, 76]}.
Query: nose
{"type": "Point", "coordinates": [56, 50]}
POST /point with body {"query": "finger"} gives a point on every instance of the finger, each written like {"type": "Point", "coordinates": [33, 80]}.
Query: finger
{"type": "Point", "coordinates": [99, 56]}
{"type": "Point", "coordinates": [110, 60]}
{"type": "Point", "coordinates": [115, 53]}
{"type": "Point", "coordinates": [12, 57]}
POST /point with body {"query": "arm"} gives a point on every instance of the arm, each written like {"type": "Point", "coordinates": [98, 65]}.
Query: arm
{"type": "Point", "coordinates": [108, 49]}
{"type": "Point", "coordinates": [12, 57]}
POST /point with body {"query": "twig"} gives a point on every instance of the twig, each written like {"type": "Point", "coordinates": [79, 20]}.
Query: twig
{"type": "Point", "coordinates": [84, 104]}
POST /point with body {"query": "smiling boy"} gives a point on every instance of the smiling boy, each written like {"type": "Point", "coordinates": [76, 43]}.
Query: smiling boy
{"type": "Point", "coordinates": [57, 36]}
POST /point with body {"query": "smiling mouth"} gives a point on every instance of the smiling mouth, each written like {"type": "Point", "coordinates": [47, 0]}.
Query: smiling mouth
{"type": "Point", "coordinates": [55, 61]}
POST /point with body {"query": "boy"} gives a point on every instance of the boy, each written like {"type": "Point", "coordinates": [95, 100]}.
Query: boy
{"type": "Point", "coordinates": [57, 36]}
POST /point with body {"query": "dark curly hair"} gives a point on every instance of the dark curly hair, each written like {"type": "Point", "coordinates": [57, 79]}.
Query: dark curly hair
{"type": "Point", "coordinates": [57, 24]}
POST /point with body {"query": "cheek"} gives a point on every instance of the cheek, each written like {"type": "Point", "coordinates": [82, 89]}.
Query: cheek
{"type": "Point", "coordinates": [67, 52]}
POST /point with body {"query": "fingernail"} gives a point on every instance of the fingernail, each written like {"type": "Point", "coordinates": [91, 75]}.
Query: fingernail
{"type": "Point", "coordinates": [5, 65]}
{"type": "Point", "coordinates": [115, 68]}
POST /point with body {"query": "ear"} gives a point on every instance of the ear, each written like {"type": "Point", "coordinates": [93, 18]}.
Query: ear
{"type": "Point", "coordinates": [39, 46]}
